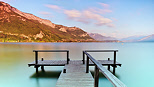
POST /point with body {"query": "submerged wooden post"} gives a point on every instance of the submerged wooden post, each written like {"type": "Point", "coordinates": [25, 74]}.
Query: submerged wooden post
{"type": "Point", "coordinates": [114, 66]}
{"type": "Point", "coordinates": [109, 65]}
{"type": "Point", "coordinates": [42, 67]}
{"type": "Point", "coordinates": [87, 65]}
{"type": "Point", "coordinates": [83, 58]}
{"type": "Point", "coordinates": [67, 57]}
{"type": "Point", "coordinates": [36, 61]}
{"type": "Point", "coordinates": [96, 76]}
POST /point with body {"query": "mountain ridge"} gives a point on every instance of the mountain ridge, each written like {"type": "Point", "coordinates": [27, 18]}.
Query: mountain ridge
{"type": "Point", "coordinates": [100, 37]}
{"type": "Point", "coordinates": [24, 27]}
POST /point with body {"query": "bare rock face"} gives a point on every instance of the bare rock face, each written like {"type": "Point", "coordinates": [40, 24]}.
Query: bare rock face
{"type": "Point", "coordinates": [8, 8]}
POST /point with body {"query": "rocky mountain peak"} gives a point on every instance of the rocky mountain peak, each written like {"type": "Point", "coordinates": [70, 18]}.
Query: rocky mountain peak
{"type": "Point", "coordinates": [6, 7]}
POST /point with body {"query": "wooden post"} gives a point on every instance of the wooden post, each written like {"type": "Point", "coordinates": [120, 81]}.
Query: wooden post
{"type": "Point", "coordinates": [87, 65]}
{"type": "Point", "coordinates": [36, 69]}
{"type": "Point", "coordinates": [83, 58]}
{"type": "Point", "coordinates": [109, 65]}
{"type": "Point", "coordinates": [96, 76]}
{"type": "Point", "coordinates": [67, 57]}
{"type": "Point", "coordinates": [114, 66]}
{"type": "Point", "coordinates": [36, 61]}
{"type": "Point", "coordinates": [36, 57]}
{"type": "Point", "coordinates": [64, 71]}
{"type": "Point", "coordinates": [42, 67]}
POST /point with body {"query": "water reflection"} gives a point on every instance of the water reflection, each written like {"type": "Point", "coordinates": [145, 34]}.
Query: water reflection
{"type": "Point", "coordinates": [46, 74]}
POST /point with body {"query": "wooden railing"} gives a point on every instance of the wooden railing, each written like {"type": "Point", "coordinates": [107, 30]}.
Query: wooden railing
{"type": "Point", "coordinates": [36, 56]}
{"type": "Point", "coordinates": [98, 67]}
{"type": "Point", "coordinates": [114, 61]}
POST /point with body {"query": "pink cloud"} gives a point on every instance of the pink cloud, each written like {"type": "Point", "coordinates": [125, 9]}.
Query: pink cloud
{"type": "Point", "coordinates": [55, 7]}
{"type": "Point", "coordinates": [44, 13]}
{"type": "Point", "coordinates": [87, 16]}
{"type": "Point", "coordinates": [72, 13]}
{"type": "Point", "coordinates": [104, 5]}
{"type": "Point", "coordinates": [91, 15]}
{"type": "Point", "coordinates": [100, 11]}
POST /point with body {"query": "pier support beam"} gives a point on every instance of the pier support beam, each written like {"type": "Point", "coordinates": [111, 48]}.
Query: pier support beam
{"type": "Point", "coordinates": [83, 58]}
{"type": "Point", "coordinates": [108, 65]}
{"type": "Point", "coordinates": [87, 65]}
{"type": "Point", "coordinates": [36, 69]}
{"type": "Point", "coordinates": [42, 67]}
{"type": "Point", "coordinates": [114, 66]}
{"type": "Point", "coordinates": [96, 77]}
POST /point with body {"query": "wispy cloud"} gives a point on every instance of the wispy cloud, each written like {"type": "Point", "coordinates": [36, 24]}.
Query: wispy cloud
{"type": "Point", "coordinates": [91, 15]}
{"type": "Point", "coordinates": [72, 13]}
{"type": "Point", "coordinates": [104, 5]}
{"type": "Point", "coordinates": [99, 11]}
{"type": "Point", "coordinates": [87, 16]}
{"type": "Point", "coordinates": [44, 13]}
{"type": "Point", "coordinates": [55, 7]}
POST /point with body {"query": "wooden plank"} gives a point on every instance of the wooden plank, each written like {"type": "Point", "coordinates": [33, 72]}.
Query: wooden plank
{"type": "Point", "coordinates": [50, 50]}
{"type": "Point", "coordinates": [101, 50]}
{"type": "Point", "coordinates": [75, 76]}
{"type": "Point", "coordinates": [63, 62]}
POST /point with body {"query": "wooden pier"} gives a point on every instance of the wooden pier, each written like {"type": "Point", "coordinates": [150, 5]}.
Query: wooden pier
{"type": "Point", "coordinates": [75, 76]}
{"type": "Point", "coordinates": [76, 72]}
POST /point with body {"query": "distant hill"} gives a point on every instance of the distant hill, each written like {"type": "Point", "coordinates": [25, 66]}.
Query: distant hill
{"type": "Point", "coordinates": [132, 39]}
{"type": "Point", "coordinates": [24, 27]}
{"type": "Point", "coordinates": [100, 37]}
{"type": "Point", "coordinates": [149, 38]}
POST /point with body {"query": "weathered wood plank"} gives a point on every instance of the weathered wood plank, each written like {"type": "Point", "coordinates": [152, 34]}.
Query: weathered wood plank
{"type": "Point", "coordinates": [101, 50]}
{"type": "Point", "coordinates": [50, 50]}
{"type": "Point", "coordinates": [75, 76]}
{"type": "Point", "coordinates": [63, 62]}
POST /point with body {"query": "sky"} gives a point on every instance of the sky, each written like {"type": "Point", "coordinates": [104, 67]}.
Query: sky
{"type": "Point", "coordinates": [114, 18]}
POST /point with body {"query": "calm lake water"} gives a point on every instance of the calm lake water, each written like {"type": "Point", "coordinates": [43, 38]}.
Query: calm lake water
{"type": "Point", "coordinates": [137, 63]}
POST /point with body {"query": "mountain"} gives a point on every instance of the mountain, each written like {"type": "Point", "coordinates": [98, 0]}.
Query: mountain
{"type": "Point", "coordinates": [100, 37]}
{"type": "Point", "coordinates": [24, 27]}
{"type": "Point", "coordinates": [132, 39]}
{"type": "Point", "coordinates": [149, 38]}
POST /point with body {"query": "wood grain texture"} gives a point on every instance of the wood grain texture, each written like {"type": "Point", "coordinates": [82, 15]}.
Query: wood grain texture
{"type": "Point", "coordinates": [63, 62]}
{"type": "Point", "coordinates": [75, 76]}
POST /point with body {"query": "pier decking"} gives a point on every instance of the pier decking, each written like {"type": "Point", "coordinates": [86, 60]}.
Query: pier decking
{"type": "Point", "coordinates": [75, 76]}
{"type": "Point", "coordinates": [76, 72]}
{"type": "Point", "coordinates": [64, 62]}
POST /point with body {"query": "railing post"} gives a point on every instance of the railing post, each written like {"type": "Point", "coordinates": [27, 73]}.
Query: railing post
{"type": "Point", "coordinates": [87, 65]}
{"type": "Point", "coordinates": [114, 66]}
{"type": "Point", "coordinates": [96, 76]}
{"type": "Point", "coordinates": [67, 57]}
{"type": "Point", "coordinates": [109, 65]}
{"type": "Point", "coordinates": [42, 67]}
{"type": "Point", "coordinates": [83, 58]}
{"type": "Point", "coordinates": [36, 61]}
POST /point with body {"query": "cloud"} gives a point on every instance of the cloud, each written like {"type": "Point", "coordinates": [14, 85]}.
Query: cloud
{"type": "Point", "coordinates": [87, 16]}
{"type": "Point", "coordinates": [104, 5]}
{"type": "Point", "coordinates": [72, 13]}
{"type": "Point", "coordinates": [91, 15]}
{"type": "Point", "coordinates": [99, 11]}
{"type": "Point", "coordinates": [44, 13]}
{"type": "Point", "coordinates": [55, 7]}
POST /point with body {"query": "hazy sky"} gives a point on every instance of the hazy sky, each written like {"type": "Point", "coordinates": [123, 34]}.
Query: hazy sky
{"type": "Point", "coordinates": [116, 18]}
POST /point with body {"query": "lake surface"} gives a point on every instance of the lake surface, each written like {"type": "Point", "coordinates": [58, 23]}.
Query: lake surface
{"type": "Point", "coordinates": [137, 60]}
